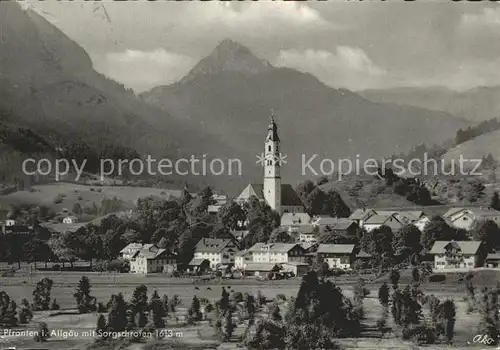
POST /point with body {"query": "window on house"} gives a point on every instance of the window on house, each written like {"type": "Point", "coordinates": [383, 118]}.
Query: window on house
{"type": "Point", "coordinates": [269, 148]}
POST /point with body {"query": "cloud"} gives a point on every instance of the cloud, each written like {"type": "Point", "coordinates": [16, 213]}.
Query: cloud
{"type": "Point", "coordinates": [261, 19]}
{"type": "Point", "coordinates": [143, 70]}
{"type": "Point", "coordinates": [488, 17]}
{"type": "Point", "coordinates": [347, 67]}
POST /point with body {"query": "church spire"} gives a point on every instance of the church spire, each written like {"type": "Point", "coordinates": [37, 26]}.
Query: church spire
{"type": "Point", "coordinates": [272, 130]}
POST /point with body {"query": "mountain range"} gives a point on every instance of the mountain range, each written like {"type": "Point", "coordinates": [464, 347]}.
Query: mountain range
{"type": "Point", "coordinates": [220, 108]}
{"type": "Point", "coordinates": [478, 104]}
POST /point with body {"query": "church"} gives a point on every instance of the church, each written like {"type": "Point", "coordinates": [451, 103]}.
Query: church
{"type": "Point", "coordinates": [282, 198]}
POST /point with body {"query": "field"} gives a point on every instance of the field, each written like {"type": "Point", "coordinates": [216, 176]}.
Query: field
{"type": "Point", "coordinates": [103, 285]}
{"type": "Point", "coordinates": [71, 193]}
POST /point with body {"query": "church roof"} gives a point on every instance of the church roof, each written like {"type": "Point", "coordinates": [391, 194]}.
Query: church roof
{"type": "Point", "coordinates": [272, 131]}
{"type": "Point", "coordinates": [288, 195]}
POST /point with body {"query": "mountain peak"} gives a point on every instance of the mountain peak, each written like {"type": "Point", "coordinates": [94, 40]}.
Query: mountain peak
{"type": "Point", "coordinates": [229, 56]}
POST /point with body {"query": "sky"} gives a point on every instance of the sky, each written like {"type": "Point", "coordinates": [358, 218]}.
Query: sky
{"type": "Point", "coordinates": [354, 45]}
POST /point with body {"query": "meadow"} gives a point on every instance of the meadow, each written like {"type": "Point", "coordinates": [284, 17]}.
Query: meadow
{"type": "Point", "coordinates": [201, 335]}
{"type": "Point", "coordinates": [85, 195]}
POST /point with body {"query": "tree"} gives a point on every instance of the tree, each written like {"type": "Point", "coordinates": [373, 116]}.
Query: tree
{"type": "Point", "coordinates": [224, 301]}
{"type": "Point", "coordinates": [378, 242]}
{"type": "Point", "coordinates": [407, 241]}
{"type": "Point", "coordinates": [85, 303]}
{"type": "Point", "coordinates": [495, 201]}
{"type": "Point", "coordinates": [319, 312]}
{"type": "Point", "coordinates": [280, 235]}
{"type": "Point", "coordinates": [36, 250]}
{"type": "Point", "coordinates": [65, 246]}
{"type": "Point", "coordinates": [230, 215]}
{"type": "Point", "coordinates": [250, 305]}
{"type": "Point", "coordinates": [320, 266]}
{"type": "Point", "coordinates": [275, 313]}
{"type": "Point", "coordinates": [41, 295]}
{"type": "Point", "coordinates": [394, 276]}
{"type": "Point", "coordinates": [54, 305]}
{"type": "Point", "coordinates": [194, 312]}
{"type": "Point", "coordinates": [77, 209]}
{"type": "Point", "coordinates": [139, 305]}
{"type": "Point", "coordinates": [436, 230]}
{"type": "Point", "coordinates": [8, 310]}
{"type": "Point", "coordinates": [117, 316]}
{"type": "Point", "coordinates": [101, 325]}
{"type": "Point", "coordinates": [157, 311]}
{"type": "Point", "coordinates": [25, 314]}
{"type": "Point", "coordinates": [383, 294]}
{"type": "Point", "coordinates": [448, 315]}
{"type": "Point", "coordinates": [266, 334]}
{"type": "Point", "coordinates": [489, 323]}
{"type": "Point", "coordinates": [229, 326]}
{"type": "Point", "coordinates": [42, 334]}
{"type": "Point", "coordinates": [488, 232]}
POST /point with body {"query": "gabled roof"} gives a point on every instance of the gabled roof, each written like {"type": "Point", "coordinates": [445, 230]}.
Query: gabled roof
{"type": "Point", "coordinates": [212, 245]}
{"type": "Point", "coordinates": [493, 256]}
{"type": "Point", "coordinates": [336, 248]}
{"type": "Point", "coordinates": [361, 214]}
{"type": "Point", "coordinates": [478, 213]}
{"type": "Point", "coordinates": [335, 223]}
{"type": "Point", "coordinates": [453, 211]}
{"type": "Point", "coordinates": [135, 246]}
{"type": "Point", "coordinates": [273, 247]}
{"type": "Point", "coordinates": [251, 190]}
{"type": "Point", "coordinates": [411, 215]}
{"type": "Point", "coordinates": [197, 261]}
{"type": "Point", "coordinates": [289, 219]}
{"type": "Point", "coordinates": [467, 247]}
{"type": "Point", "coordinates": [363, 254]}
{"type": "Point", "coordinates": [380, 219]}
{"type": "Point", "coordinates": [151, 252]}
{"type": "Point", "coordinates": [288, 195]}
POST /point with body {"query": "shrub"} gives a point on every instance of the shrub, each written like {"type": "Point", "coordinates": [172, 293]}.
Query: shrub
{"type": "Point", "coordinates": [437, 278]}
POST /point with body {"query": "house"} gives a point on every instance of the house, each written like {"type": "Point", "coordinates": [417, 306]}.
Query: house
{"type": "Point", "coordinates": [276, 252]}
{"type": "Point", "coordinates": [342, 226]}
{"type": "Point", "coordinates": [455, 254]}
{"type": "Point", "coordinates": [493, 260]}
{"type": "Point", "coordinates": [151, 259]}
{"type": "Point", "coordinates": [129, 251]}
{"type": "Point", "coordinates": [216, 250]}
{"type": "Point", "coordinates": [337, 255]}
{"type": "Point", "coordinates": [10, 222]}
{"type": "Point", "coordinates": [261, 269]}
{"type": "Point", "coordinates": [296, 222]}
{"type": "Point", "coordinates": [383, 219]}
{"type": "Point", "coordinates": [360, 215]}
{"type": "Point", "coordinates": [309, 237]}
{"type": "Point", "coordinates": [70, 220]}
{"type": "Point", "coordinates": [296, 267]}
{"type": "Point", "coordinates": [17, 229]}
{"type": "Point", "coordinates": [241, 259]}
{"type": "Point", "coordinates": [421, 223]}
{"type": "Point", "coordinates": [466, 217]}
{"type": "Point", "coordinates": [199, 265]}
{"type": "Point", "coordinates": [409, 216]}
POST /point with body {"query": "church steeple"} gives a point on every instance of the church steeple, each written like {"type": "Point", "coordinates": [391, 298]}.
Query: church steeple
{"type": "Point", "coordinates": [272, 178]}
{"type": "Point", "coordinates": [272, 130]}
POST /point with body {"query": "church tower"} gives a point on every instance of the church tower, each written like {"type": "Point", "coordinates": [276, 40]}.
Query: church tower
{"type": "Point", "coordinates": [272, 177]}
